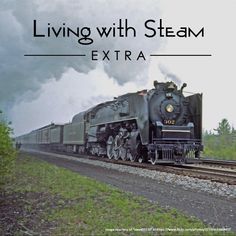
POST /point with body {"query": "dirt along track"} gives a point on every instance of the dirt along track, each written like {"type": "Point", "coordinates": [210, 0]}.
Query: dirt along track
{"type": "Point", "coordinates": [214, 210]}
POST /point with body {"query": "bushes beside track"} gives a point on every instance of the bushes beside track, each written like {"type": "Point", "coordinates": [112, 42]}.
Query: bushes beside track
{"type": "Point", "coordinates": [221, 143]}
{"type": "Point", "coordinates": [220, 147]}
{"type": "Point", "coordinates": [7, 151]}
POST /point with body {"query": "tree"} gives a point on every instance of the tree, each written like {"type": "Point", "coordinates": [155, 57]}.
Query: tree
{"type": "Point", "coordinates": [224, 127]}
{"type": "Point", "coordinates": [7, 151]}
{"type": "Point", "coordinates": [233, 130]}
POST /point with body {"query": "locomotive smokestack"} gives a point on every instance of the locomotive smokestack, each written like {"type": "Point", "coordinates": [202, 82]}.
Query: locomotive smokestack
{"type": "Point", "coordinates": [155, 83]}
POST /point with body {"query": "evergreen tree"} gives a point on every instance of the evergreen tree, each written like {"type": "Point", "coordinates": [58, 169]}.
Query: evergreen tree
{"type": "Point", "coordinates": [224, 127]}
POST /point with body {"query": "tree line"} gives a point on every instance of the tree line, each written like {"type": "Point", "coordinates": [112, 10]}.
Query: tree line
{"type": "Point", "coordinates": [220, 143]}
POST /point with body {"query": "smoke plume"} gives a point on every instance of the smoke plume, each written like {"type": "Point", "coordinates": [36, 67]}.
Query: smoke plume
{"type": "Point", "coordinates": [168, 75]}
{"type": "Point", "coordinates": [22, 77]}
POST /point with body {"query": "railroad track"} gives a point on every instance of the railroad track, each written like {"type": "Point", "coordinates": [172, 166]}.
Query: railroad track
{"type": "Point", "coordinates": [213, 173]}
{"type": "Point", "coordinates": [216, 174]}
{"type": "Point", "coordinates": [220, 175]}
{"type": "Point", "coordinates": [222, 163]}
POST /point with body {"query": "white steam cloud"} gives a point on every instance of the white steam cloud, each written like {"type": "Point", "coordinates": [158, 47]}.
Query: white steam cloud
{"type": "Point", "coordinates": [60, 100]}
{"type": "Point", "coordinates": [169, 75]}
{"type": "Point", "coordinates": [22, 77]}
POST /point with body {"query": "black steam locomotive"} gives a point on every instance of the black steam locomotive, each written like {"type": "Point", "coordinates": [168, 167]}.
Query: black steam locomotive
{"type": "Point", "coordinates": [160, 126]}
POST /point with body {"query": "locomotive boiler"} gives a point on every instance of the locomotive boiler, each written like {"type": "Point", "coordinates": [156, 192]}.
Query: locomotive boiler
{"type": "Point", "coordinates": [159, 126]}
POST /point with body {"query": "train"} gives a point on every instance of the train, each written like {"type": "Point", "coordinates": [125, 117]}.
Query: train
{"type": "Point", "coordinates": [159, 125]}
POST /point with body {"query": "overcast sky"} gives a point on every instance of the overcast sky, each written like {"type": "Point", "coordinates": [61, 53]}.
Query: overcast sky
{"type": "Point", "coordinates": [36, 91]}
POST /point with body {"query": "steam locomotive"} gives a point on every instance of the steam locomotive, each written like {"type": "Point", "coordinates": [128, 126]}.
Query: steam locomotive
{"type": "Point", "coordinates": [159, 126]}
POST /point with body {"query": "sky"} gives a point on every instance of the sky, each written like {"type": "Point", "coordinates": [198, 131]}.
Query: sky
{"type": "Point", "coordinates": [35, 91]}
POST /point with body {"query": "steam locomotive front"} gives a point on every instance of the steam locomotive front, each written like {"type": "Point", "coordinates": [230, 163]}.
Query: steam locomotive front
{"type": "Point", "coordinates": [172, 137]}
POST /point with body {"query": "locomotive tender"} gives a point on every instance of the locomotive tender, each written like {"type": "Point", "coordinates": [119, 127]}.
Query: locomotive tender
{"type": "Point", "coordinates": [160, 126]}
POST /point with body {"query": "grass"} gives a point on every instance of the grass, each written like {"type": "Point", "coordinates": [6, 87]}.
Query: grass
{"type": "Point", "coordinates": [221, 153]}
{"type": "Point", "coordinates": [77, 205]}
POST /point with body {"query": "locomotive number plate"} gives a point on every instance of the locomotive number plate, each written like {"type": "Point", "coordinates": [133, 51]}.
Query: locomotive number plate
{"type": "Point", "coordinates": [169, 122]}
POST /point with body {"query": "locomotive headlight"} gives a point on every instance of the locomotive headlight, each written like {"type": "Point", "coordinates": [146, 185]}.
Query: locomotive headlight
{"type": "Point", "coordinates": [169, 108]}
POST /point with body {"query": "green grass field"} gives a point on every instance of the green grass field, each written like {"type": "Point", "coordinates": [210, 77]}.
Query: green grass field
{"type": "Point", "coordinates": [55, 201]}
